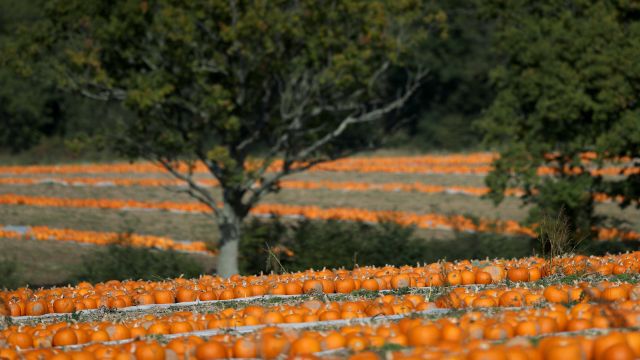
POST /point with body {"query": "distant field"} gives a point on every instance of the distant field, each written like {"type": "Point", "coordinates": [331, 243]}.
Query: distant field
{"type": "Point", "coordinates": [200, 226]}
{"type": "Point", "coordinates": [510, 209]}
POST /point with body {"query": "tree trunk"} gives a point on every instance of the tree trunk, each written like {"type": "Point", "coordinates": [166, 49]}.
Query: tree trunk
{"type": "Point", "coordinates": [230, 225]}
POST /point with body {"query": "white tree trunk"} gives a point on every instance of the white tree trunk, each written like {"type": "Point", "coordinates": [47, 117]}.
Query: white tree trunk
{"type": "Point", "coordinates": [230, 226]}
{"type": "Point", "coordinates": [227, 260]}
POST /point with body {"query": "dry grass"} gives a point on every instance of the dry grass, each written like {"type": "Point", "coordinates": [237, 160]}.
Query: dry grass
{"type": "Point", "coordinates": [373, 200]}
{"type": "Point", "coordinates": [556, 239]}
{"type": "Point", "coordinates": [177, 226]}
{"type": "Point", "coordinates": [434, 179]}
{"type": "Point", "coordinates": [52, 262]}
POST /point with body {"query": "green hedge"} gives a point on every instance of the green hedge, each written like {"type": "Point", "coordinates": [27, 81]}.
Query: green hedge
{"type": "Point", "coordinates": [292, 246]}
{"type": "Point", "coordinates": [119, 263]}
{"type": "Point", "coordinates": [276, 245]}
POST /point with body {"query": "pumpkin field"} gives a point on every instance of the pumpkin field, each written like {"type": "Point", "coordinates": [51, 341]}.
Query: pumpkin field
{"type": "Point", "coordinates": [571, 307]}
{"type": "Point", "coordinates": [319, 179]}
{"type": "Point", "coordinates": [541, 307]}
{"type": "Point", "coordinates": [142, 205]}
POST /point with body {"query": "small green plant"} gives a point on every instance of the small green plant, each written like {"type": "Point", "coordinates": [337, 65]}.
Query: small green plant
{"type": "Point", "coordinates": [557, 239]}
{"type": "Point", "coordinates": [555, 236]}
{"type": "Point", "coordinates": [9, 274]}
{"type": "Point", "coordinates": [121, 262]}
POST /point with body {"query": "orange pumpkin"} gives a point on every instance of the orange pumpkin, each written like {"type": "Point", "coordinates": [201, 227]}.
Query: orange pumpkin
{"type": "Point", "coordinates": [518, 274]}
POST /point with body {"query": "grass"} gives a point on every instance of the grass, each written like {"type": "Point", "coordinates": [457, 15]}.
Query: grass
{"type": "Point", "coordinates": [373, 200]}
{"type": "Point", "coordinates": [173, 225]}
{"type": "Point", "coordinates": [434, 179]}
{"type": "Point", "coordinates": [122, 263]}
{"type": "Point", "coordinates": [46, 263]}
{"type": "Point", "coordinates": [10, 271]}
{"type": "Point", "coordinates": [50, 263]}
{"type": "Point", "coordinates": [511, 208]}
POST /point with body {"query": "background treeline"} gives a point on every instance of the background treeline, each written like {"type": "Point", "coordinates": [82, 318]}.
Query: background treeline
{"type": "Point", "coordinates": [43, 124]}
{"type": "Point", "coordinates": [40, 123]}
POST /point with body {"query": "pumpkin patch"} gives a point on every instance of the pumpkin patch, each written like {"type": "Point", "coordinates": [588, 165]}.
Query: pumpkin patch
{"type": "Point", "coordinates": [462, 309]}
{"type": "Point", "coordinates": [573, 306]}
{"type": "Point", "coordinates": [425, 221]}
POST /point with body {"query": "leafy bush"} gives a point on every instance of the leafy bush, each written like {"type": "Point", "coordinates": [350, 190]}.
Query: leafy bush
{"type": "Point", "coordinates": [292, 246]}
{"type": "Point", "coordinates": [121, 262]}
{"type": "Point", "coordinates": [9, 274]}
{"type": "Point", "coordinates": [276, 245]}
{"type": "Point", "coordinates": [600, 248]}
{"type": "Point", "coordinates": [479, 246]}
{"type": "Point", "coordinates": [273, 245]}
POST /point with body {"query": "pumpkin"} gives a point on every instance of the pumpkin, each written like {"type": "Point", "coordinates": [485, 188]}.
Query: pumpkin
{"type": "Point", "coordinates": [245, 348]}
{"type": "Point", "coordinates": [312, 286]}
{"type": "Point", "coordinates": [424, 335]}
{"type": "Point", "coordinates": [518, 274]}
{"type": "Point", "coordinates": [304, 346]}
{"type": "Point", "coordinates": [496, 272]}
{"type": "Point", "coordinates": [65, 337]}
{"type": "Point", "coordinates": [64, 305]}
{"type": "Point", "coordinates": [20, 340]}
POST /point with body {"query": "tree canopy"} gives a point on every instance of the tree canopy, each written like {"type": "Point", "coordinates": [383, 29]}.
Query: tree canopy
{"type": "Point", "coordinates": [453, 96]}
{"type": "Point", "coordinates": [254, 90]}
{"type": "Point", "coordinates": [568, 84]}
{"type": "Point", "coordinates": [34, 110]}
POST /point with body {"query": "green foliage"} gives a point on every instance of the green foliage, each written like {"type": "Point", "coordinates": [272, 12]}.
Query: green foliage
{"type": "Point", "coordinates": [223, 82]}
{"type": "Point", "coordinates": [275, 245]}
{"type": "Point", "coordinates": [9, 274]}
{"type": "Point", "coordinates": [458, 88]}
{"type": "Point", "coordinates": [204, 75]}
{"type": "Point", "coordinates": [600, 248]}
{"type": "Point", "coordinates": [479, 246]}
{"type": "Point", "coordinates": [567, 84]}
{"type": "Point", "coordinates": [455, 93]}
{"type": "Point", "coordinates": [33, 111]}
{"type": "Point", "coordinates": [28, 108]}
{"type": "Point", "coordinates": [23, 118]}
{"type": "Point", "coordinates": [120, 263]}
{"type": "Point", "coordinates": [332, 244]}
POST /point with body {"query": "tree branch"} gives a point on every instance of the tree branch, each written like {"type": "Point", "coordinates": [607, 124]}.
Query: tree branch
{"type": "Point", "coordinates": [186, 105]}
{"type": "Point", "coordinates": [373, 115]}
{"type": "Point", "coordinates": [212, 166]}
{"type": "Point", "coordinates": [266, 184]}
{"type": "Point", "coordinates": [194, 189]}
{"type": "Point", "coordinates": [302, 157]}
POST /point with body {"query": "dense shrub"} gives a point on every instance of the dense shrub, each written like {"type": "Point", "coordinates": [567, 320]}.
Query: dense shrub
{"type": "Point", "coordinates": [304, 244]}
{"type": "Point", "coordinates": [600, 248]}
{"type": "Point", "coordinates": [292, 246]}
{"type": "Point", "coordinates": [120, 263]}
{"type": "Point", "coordinates": [9, 274]}
{"type": "Point", "coordinates": [478, 246]}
